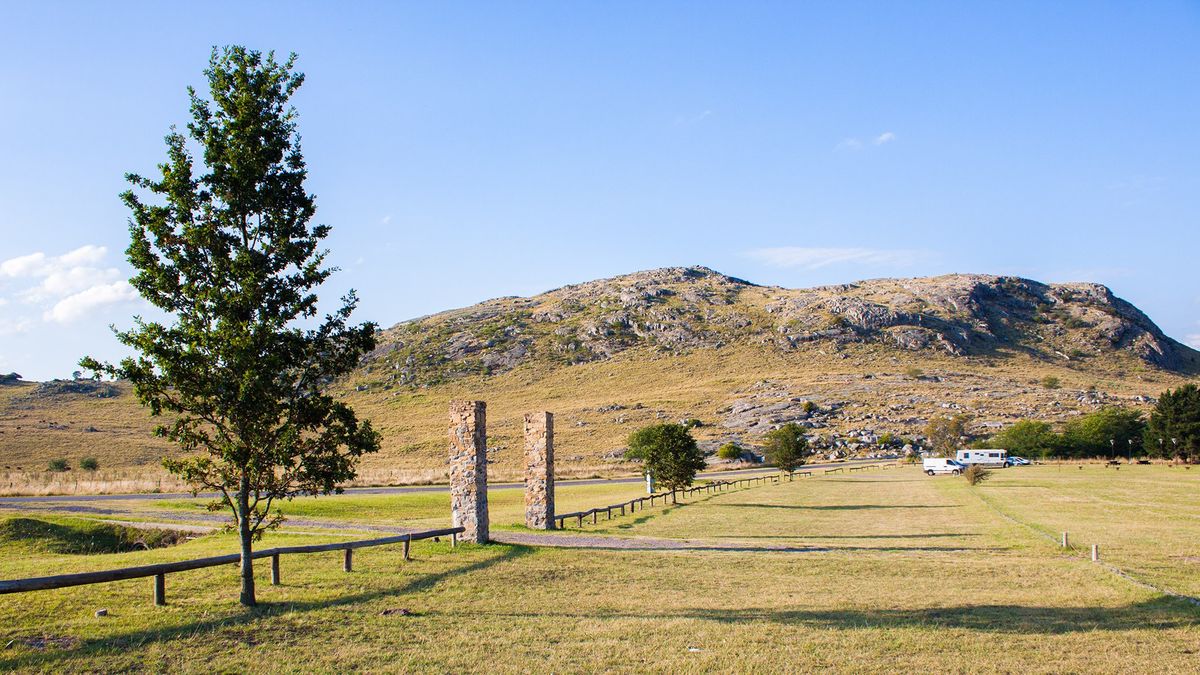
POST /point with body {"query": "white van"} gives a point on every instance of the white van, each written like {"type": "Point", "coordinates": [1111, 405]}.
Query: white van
{"type": "Point", "coordinates": [936, 465]}
{"type": "Point", "coordinates": [986, 456]}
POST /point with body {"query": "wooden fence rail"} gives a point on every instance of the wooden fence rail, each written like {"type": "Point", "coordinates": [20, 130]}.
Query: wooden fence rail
{"type": "Point", "coordinates": [160, 570]}
{"type": "Point", "coordinates": [634, 505]}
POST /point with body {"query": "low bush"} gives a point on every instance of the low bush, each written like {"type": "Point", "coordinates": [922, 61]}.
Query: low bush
{"type": "Point", "coordinates": [729, 451]}
{"type": "Point", "coordinates": [89, 464]}
{"type": "Point", "coordinates": [976, 474]}
{"type": "Point", "coordinates": [59, 465]}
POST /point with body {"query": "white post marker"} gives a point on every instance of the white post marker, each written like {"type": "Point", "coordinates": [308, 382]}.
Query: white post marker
{"type": "Point", "coordinates": [649, 483]}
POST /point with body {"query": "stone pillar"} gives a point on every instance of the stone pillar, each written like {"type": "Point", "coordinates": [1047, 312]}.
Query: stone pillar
{"type": "Point", "coordinates": [539, 471]}
{"type": "Point", "coordinates": [468, 469]}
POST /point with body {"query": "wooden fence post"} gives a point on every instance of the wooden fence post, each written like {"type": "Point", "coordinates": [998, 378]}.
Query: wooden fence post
{"type": "Point", "coordinates": [275, 570]}
{"type": "Point", "coordinates": [407, 543]}
{"type": "Point", "coordinates": [1095, 552]}
{"type": "Point", "coordinates": [160, 590]}
{"type": "Point", "coordinates": [348, 560]}
{"type": "Point", "coordinates": [1066, 541]}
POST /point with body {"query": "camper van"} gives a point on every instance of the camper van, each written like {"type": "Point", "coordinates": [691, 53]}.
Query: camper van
{"type": "Point", "coordinates": [986, 456]}
{"type": "Point", "coordinates": [935, 465]}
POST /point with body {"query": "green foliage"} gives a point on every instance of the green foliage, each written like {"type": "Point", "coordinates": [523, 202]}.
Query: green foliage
{"type": "Point", "coordinates": [809, 407]}
{"type": "Point", "coordinates": [888, 439]}
{"type": "Point", "coordinates": [786, 447]}
{"type": "Point", "coordinates": [1110, 431]}
{"type": "Point", "coordinates": [1051, 382]}
{"type": "Point", "coordinates": [58, 465]}
{"type": "Point", "coordinates": [669, 452]}
{"type": "Point", "coordinates": [946, 434]}
{"type": "Point", "coordinates": [692, 423]}
{"type": "Point", "coordinates": [976, 474]}
{"type": "Point", "coordinates": [729, 451]}
{"type": "Point", "coordinates": [1176, 421]}
{"type": "Point", "coordinates": [89, 464]}
{"type": "Point", "coordinates": [230, 257]}
{"type": "Point", "coordinates": [1027, 438]}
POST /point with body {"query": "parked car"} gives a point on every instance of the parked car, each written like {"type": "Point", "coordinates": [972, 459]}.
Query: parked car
{"type": "Point", "coordinates": [940, 465]}
{"type": "Point", "coordinates": [986, 457]}
{"type": "Point", "coordinates": [1019, 461]}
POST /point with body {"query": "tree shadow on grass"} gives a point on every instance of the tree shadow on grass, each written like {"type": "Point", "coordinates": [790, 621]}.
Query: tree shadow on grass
{"type": "Point", "coordinates": [99, 647]}
{"type": "Point", "coordinates": [931, 535]}
{"type": "Point", "coordinates": [1162, 613]}
{"type": "Point", "coordinates": [841, 507]}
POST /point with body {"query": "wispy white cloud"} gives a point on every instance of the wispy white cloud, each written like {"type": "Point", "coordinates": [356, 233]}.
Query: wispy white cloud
{"type": "Point", "coordinates": [67, 286]}
{"type": "Point", "coordinates": [816, 258]}
{"type": "Point", "coordinates": [854, 144]}
{"type": "Point", "coordinates": [690, 120]}
{"type": "Point", "coordinates": [1193, 340]}
{"type": "Point", "coordinates": [79, 305]}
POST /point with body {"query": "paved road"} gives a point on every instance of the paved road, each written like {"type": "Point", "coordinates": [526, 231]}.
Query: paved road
{"type": "Point", "coordinates": [406, 488]}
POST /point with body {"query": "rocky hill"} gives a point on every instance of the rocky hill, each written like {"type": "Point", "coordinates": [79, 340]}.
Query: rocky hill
{"type": "Point", "coordinates": [853, 363]}
{"type": "Point", "coordinates": [678, 310]}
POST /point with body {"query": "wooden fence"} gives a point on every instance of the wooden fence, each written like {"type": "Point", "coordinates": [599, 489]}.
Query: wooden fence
{"type": "Point", "coordinates": [160, 570]}
{"type": "Point", "coordinates": [639, 503]}
{"type": "Point", "coordinates": [634, 505]}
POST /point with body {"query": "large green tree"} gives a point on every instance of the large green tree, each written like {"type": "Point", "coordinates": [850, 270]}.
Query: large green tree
{"type": "Point", "coordinates": [669, 452]}
{"type": "Point", "coordinates": [786, 447]}
{"type": "Point", "coordinates": [225, 248]}
{"type": "Point", "coordinates": [1174, 427]}
{"type": "Point", "coordinates": [1106, 432]}
{"type": "Point", "coordinates": [1029, 438]}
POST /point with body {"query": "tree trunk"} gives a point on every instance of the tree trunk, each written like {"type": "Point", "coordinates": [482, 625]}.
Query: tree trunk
{"type": "Point", "coordinates": [243, 508]}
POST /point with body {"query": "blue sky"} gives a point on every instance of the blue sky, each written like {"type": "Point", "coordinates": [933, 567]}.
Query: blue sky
{"type": "Point", "coordinates": [467, 151]}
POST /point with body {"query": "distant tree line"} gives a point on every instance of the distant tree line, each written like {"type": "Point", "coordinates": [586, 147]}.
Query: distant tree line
{"type": "Point", "coordinates": [1172, 431]}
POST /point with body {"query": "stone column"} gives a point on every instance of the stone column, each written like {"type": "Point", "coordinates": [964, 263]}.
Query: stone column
{"type": "Point", "coordinates": [468, 469]}
{"type": "Point", "coordinates": [539, 471]}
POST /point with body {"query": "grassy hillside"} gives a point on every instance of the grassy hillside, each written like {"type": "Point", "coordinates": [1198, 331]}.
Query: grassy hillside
{"type": "Point", "coordinates": [609, 356]}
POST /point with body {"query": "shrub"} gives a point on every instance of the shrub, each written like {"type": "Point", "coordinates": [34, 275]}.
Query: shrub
{"type": "Point", "coordinates": [1051, 382]}
{"type": "Point", "coordinates": [58, 465]}
{"type": "Point", "coordinates": [976, 474]}
{"type": "Point", "coordinates": [809, 407]}
{"type": "Point", "coordinates": [692, 423]}
{"type": "Point", "coordinates": [729, 451]}
{"type": "Point", "coordinates": [89, 464]}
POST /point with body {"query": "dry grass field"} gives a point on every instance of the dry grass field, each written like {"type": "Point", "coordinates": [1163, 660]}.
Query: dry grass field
{"type": "Point", "coordinates": [877, 571]}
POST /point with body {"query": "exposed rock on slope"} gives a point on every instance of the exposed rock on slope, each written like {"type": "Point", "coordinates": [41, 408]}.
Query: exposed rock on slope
{"type": "Point", "coordinates": [676, 310]}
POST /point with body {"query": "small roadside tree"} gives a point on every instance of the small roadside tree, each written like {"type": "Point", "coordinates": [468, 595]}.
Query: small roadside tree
{"type": "Point", "coordinates": [1174, 427]}
{"type": "Point", "coordinates": [670, 454]}
{"type": "Point", "coordinates": [946, 433]}
{"type": "Point", "coordinates": [230, 257]}
{"type": "Point", "coordinates": [786, 447]}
